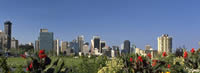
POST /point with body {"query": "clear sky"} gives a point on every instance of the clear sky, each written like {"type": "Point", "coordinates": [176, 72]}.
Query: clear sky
{"type": "Point", "coordinates": [140, 21]}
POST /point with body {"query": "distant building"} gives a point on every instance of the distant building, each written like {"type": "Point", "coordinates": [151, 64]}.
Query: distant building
{"type": "Point", "coordinates": [30, 44]}
{"type": "Point", "coordinates": [116, 50]}
{"type": "Point", "coordinates": [80, 43]}
{"type": "Point", "coordinates": [14, 44]}
{"type": "Point", "coordinates": [147, 47]}
{"type": "Point", "coordinates": [64, 47]}
{"type": "Point", "coordinates": [107, 51]}
{"type": "Point", "coordinates": [3, 41]}
{"type": "Point", "coordinates": [132, 50]}
{"type": "Point", "coordinates": [56, 48]}
{"type": "Point", "coordinates": [126, 48]}
{"type": "Point", "coordinates": [37, 44]}
{"type": "Point", "coordinates": [8, 31]}
{"type": "Point", "coordinates": [151, 51]}
{"type": "Point", "coordinates": [5, 37]}
{"type": "Point", "coordinates": [103, 44]}
{"type": "Point", "coordinates": [164, 44]}
{"type": "Point", "coordinates": [95, 43]}
{"type": "Point", "coordinates": [46, 40]}
{"type": "Point", "coordinates": [140, 52]}
{"type": "Point", "coordinates": [86, 49]}
{"type": "Point", "coordinates": [112, 53]}
{"type": "Point", "coordinates": [74, 47]}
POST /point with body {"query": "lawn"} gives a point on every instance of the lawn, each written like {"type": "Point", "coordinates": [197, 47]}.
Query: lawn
{"type": "Point", "coordinates": [69, 61]}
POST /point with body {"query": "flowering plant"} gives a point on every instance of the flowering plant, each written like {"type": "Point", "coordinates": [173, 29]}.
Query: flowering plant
{"type": "Point", "coordinates": [192, 61]}
{"type": "Point", "coordinates": [38, 62]}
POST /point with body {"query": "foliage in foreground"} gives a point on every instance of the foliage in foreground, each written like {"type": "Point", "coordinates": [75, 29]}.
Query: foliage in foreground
{"type": "Point", "coordinates": [189, 62]}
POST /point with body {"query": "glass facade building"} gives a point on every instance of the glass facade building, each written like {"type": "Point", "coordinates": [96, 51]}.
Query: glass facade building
{"type": "Point", "coordinates": [46, 41]}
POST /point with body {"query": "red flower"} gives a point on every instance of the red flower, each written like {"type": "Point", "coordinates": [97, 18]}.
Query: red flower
{"type": "Point", "coordinates": [41, 52]}
{"type": "Point", "coordinates": [168, 66]}
{"type": "Point", "coordinates": [42, 56]}
{"type": "Point", "coordinates": [192, 50]}
{"type": "Point", "coordinates": [154, 64]}
{"type": "Point", "coordinates": [131, 59]}
{"type": "Point", "coordinates": [23, 56]}
{"type": "Point", "coordinates": [185, 54]}
{"type": "Point", "coordinates": [149, 55]}
{"type": "Point", "coordinates": [140, 58]}
{"type": "Point", "coordinates": [154, 60]}
{"type": "Point", "coordinates": [31, 65]}
{"type": "Point", "coordinates": [27, 69]}
{"type": "Point", "coordinates": [164, 54]}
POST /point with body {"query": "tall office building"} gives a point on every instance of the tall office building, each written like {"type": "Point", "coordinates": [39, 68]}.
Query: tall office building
{"type": "Point", "coordinates": [127, 46]}
{"type": "Point", "coordinates": [14, 44]}
{"type": "Point", "coordinates": [164, 44]}
{"type": "Point", "coordinates": [8, 31]}
{"type": "Point", "coordinates": [103, 44]}
{"type": "Point", "coordinates": [80, 43]}
{"type": "Point", "coordinates": [95, 43]}
{"type": "Point", "coordinates": [46, 40]}
{"type": "Point", "coordinates": [56, 47]}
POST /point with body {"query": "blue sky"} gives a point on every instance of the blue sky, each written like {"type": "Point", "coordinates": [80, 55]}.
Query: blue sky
{"type": "Point", "coordinates": [140, 21]}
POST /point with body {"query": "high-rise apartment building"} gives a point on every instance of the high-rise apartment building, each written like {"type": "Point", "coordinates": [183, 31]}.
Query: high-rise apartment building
{"type": "Point", "coordinates": [164, 44]}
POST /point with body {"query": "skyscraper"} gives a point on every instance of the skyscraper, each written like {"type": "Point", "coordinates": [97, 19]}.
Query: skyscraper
{"type": "Point", "coordinates": [46, 40]}
{"type": "Point", "coordinates": [80, 43]}
{"type": "Point", "coordinates": [8, 31]}
{"type": "Point", "coordinates": [164, 44]}
{"type": "Point", "coordinates": [127, 46]}
{"type": "Point", "coordinates": [95, 43]}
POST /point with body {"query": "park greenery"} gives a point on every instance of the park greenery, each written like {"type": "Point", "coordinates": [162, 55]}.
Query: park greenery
{"type": "Point", "coordinates": [39, 62]}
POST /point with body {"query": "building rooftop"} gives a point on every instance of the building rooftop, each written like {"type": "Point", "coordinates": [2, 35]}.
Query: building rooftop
{"type": "Point", "coordinates": [43, 30]}
{"type": "Point", "coordinates": [7, 22]}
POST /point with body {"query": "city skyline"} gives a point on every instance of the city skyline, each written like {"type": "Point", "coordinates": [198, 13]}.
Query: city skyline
{"type": "Point", "coordinates": [138, 21]}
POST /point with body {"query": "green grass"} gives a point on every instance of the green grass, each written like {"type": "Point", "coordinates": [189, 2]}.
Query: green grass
{"type": "Point", "coordinates": [69, 61]}
{"type": "Point", "coordinates": [16, 61]}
